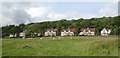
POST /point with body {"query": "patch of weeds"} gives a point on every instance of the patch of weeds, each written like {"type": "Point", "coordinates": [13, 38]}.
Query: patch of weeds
{"type": "Point", "coordinates": [103, 52]}
{"type": "Point", "coordinates": [118, 46]}
{"type": "Point", "coordinates": [41, 47]}
{"type": "Point", "coordinates": [92, 53]}
{"type": "Point", "coordinates": [58, 54]}
{"type": "Point", "coordinates": [26, 46]}
{"type": "Point", "coordinates": [89, 49]}
{"type": "Point", "coordinates": [108, 52]}
{"type": "Point", "coordinates": [103, 46]}
{"type": "Point", "coordinates": [75, 50]}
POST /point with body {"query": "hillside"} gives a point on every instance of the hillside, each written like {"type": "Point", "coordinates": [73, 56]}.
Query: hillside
{"type": "Point", "coordinates": [98, 23]}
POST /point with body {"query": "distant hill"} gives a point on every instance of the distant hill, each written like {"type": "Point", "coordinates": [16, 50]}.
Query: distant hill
{"type": "Point", "coordinates": [98, 23]}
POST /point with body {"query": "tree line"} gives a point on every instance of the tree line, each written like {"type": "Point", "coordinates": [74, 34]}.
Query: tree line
{"type": "Point", "coordinates": [112, 23]}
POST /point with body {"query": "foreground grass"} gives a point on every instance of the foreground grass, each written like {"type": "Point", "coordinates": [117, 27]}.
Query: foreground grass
{"type": "Point", "coordinates": [65, 46]}
{"type": "Point", "coordinates": [0, 47]}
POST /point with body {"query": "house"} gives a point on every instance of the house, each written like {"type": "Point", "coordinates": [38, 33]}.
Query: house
{"type": "Point", "coordinates": [87, 32]}
{"type": "Point", "coordinates": [50, 32]}
{"type": "Point", "coordinates": [34, 34]}
{"type": "Point", "coordinates": [40, 34]}
{"type": "Point", "coordinates": [67, 32]}
{"type": "Point", "coordinates": [11, 35]}
{"type": "Point", "coordinates": [22, 34]}
{"type": "Point", "coordinates": [15, 35]}
{"type": "Point", "coordinates": [0, 33]}
{"type": "Point", "coordinates": [105, 32]}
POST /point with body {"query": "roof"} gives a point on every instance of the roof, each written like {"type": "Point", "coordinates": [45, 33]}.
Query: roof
{"type": "Point", "coordinates": [54, 30]}
{"type": "Point", "coordinates": [106, 29]}
{"type": "Point", "coordinates": [86, 29]}
{"type": "Point", "coordinates": [71, 29]}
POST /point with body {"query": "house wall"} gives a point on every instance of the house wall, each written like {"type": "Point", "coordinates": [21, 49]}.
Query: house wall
{"type": "Point", "coordinates": [22, 34]}
{"type": "Point", "coordinates": [11, 35]}
{"type": "Point", "coordinates": [63, 33]}
{"type": "Point", "coordinates": [105, 32]}
{"type": "Point", "coordinates": [67, 33]}
{"type": "Point", "coordinates": [87, 33]}
{"type": "Point", "coordinates": [46, 33]}
{"type": "Point", "coordinates": [50, 33]}
{"type": "Point", "coordinates": [71, 33]}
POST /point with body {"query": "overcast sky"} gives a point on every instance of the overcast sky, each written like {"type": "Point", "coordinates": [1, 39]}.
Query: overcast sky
{"type": "Point", "coordinates": [26, 12]}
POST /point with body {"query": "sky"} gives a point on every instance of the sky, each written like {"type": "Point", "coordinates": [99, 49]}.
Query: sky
{"type": "Point", "coordinates": [27, 12]}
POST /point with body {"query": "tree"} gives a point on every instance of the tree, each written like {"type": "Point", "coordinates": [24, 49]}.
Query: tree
{"type": "Point", "coordinates": [22, 26]}
{"type": "Point", "coordinates": [98, 23]}
{"type": "Point", "coordinates": [6, 30]}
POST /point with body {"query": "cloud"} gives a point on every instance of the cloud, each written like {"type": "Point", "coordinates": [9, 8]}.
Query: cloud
{"type": "Point", "coordinates": [110, 9]}
{"type": "Point", "coordinates": [24, 12]}
{"type": "Point", "coordinates": [69, 15]}
{"type": "Point", "coordinates": [11, 14]}
{"type": "Point", "coordinates": [60, 0]}
{"type": "Point", "coordinates": [37, 12]}
{"type": "Point", "coordinates": [107, 12]}
{"type": "Point", "coordinates": [56, 16]}
{"type": "Point", "coordinates": [17, 16]}
{"type": "Point", "coordinates": [119, 8]}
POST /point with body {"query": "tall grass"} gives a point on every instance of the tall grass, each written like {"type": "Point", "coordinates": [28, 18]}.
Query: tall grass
{"type": "Point", "coordinates": [61, 46]}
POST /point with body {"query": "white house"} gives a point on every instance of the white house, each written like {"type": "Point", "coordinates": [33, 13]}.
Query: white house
{"type": "Point", "coordinates": [11, 35]}
{"type": "Point", "coordinates": [64, 33]}
{"type": "Point", "coordinates": [14, 35]}
{"type": "Point", "coordinates": [67, 32]}
{"type": "Point", "coordinates": [105, 32]}
{"type": "Point", "coordinates": [87, 31]}
{"type": "Point", "coordinates": [22, 34]}
{"type": "Point", "coordinates": [38, 34]}
{"type": "Point", "coordinates": [50, 32]}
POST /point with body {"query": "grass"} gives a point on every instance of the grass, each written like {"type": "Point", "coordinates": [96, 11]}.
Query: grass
{"type": "Point", "coordinates": [65, 46]}
{"type": "Point", "coordinates": [0, 47]}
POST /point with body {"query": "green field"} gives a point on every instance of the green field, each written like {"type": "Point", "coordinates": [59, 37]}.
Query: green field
{"type": "Point", "coordinates": [65, 46]}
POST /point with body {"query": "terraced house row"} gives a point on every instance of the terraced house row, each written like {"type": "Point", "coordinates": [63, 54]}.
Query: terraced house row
{"type": "Point", "coordinates": [64, 32]}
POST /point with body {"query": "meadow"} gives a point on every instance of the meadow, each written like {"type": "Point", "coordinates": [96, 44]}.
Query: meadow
{"type": "Point", "coordinates": [61, 46]}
